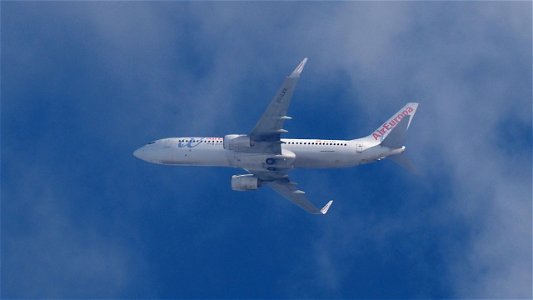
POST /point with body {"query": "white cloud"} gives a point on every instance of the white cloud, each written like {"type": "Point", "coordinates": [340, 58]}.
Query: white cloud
{"type": "Point", "coordinates": [52, 251]}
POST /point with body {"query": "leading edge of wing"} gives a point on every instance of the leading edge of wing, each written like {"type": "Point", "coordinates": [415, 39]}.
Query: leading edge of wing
{"type": "Point", "coordinates": [288, 189]}
{"type": "Point", "coordinates": [270, 125]}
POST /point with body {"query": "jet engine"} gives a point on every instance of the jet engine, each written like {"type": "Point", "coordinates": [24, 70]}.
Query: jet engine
{"type": "Point", "coordinates": [246, 182]}
{"type": "Point", "coordinates": [237, 142]}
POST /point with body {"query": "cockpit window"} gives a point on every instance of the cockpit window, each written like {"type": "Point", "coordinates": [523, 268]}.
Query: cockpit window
{"type": "Point", "coordinates": [151, 143]}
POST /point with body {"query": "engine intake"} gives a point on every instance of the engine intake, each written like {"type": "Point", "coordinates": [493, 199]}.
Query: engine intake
{"type": "Point", "coordinates": [246, 182]}
{"type": "Point", "coordinates": [237, 142]}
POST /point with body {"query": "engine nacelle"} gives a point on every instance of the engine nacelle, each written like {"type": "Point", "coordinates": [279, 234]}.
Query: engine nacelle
{"type": "Point", "coordinates": [245, 182]}
{"type": "Point", "coordinates": [237, 142]}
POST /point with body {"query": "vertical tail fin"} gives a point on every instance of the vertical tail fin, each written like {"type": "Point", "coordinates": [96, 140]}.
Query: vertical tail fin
{"type": "Point", "coordinates": [392, 132]}
{"type": "Point", "coordinates": [395, 137]}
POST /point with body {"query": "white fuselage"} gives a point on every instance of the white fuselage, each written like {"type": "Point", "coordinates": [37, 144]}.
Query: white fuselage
{"type": "Point", "coordinates": [296, 153]}
{"type": "Point", "coordinates": [267, 158]}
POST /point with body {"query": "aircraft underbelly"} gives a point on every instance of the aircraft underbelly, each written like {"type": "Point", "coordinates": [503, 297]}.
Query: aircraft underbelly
{"type": "Point", "coordinates": [195, 157]}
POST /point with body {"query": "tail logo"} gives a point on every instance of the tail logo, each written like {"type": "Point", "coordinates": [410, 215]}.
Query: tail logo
{"type": "Point", "coordinates": [391, 123]}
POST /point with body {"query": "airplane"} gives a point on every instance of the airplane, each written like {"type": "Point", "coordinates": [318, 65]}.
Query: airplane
{"type": "Point", "coordinates": [267, 158]}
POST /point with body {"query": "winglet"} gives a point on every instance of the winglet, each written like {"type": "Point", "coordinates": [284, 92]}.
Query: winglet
{"type": "Point", "coordinates": [324, 210]}
{"type": "Point", "coordinates": [299, 69]}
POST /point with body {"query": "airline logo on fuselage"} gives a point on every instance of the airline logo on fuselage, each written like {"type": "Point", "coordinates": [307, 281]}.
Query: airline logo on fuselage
{"type": "Point", "coordinates": [190, 143]}
{"type": "Point", "coordinates": [195, 141]}
{"type": "Point", "coordinates": [388, 126]}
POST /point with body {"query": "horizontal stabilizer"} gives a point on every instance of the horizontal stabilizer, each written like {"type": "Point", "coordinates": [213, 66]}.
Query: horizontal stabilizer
{"type": "Point", "coordinates": [404, 162]}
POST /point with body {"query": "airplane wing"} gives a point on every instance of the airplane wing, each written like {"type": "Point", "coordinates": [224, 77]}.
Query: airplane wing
{"type": "Point", "coordinates": [266, 139]}
{"type": "Point", "coordinates": [267, 131]}
{"type": "Point", "coordinates": [288, 189]}
{"type": "Point", "coordinates": [279, 181]}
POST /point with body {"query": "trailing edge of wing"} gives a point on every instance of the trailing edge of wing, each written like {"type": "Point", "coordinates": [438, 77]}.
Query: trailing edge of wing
{"type": "Point", "coordinates": [270, 126]}
{"type": "Point", "coordinates": [289, 190]}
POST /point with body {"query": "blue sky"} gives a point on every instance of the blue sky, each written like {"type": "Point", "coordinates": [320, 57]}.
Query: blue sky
{"type": "Point", "coordinates": [86, 83]}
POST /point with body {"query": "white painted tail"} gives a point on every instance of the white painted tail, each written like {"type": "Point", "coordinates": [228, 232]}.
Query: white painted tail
{"type": "Point", "coordinates": [392, 134]}
{"type": "Point", "coordinates": [396, 126]}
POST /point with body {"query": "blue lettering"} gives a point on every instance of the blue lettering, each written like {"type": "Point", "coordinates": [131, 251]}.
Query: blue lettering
{"type": "Point", "coordinates": [191, 143]}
